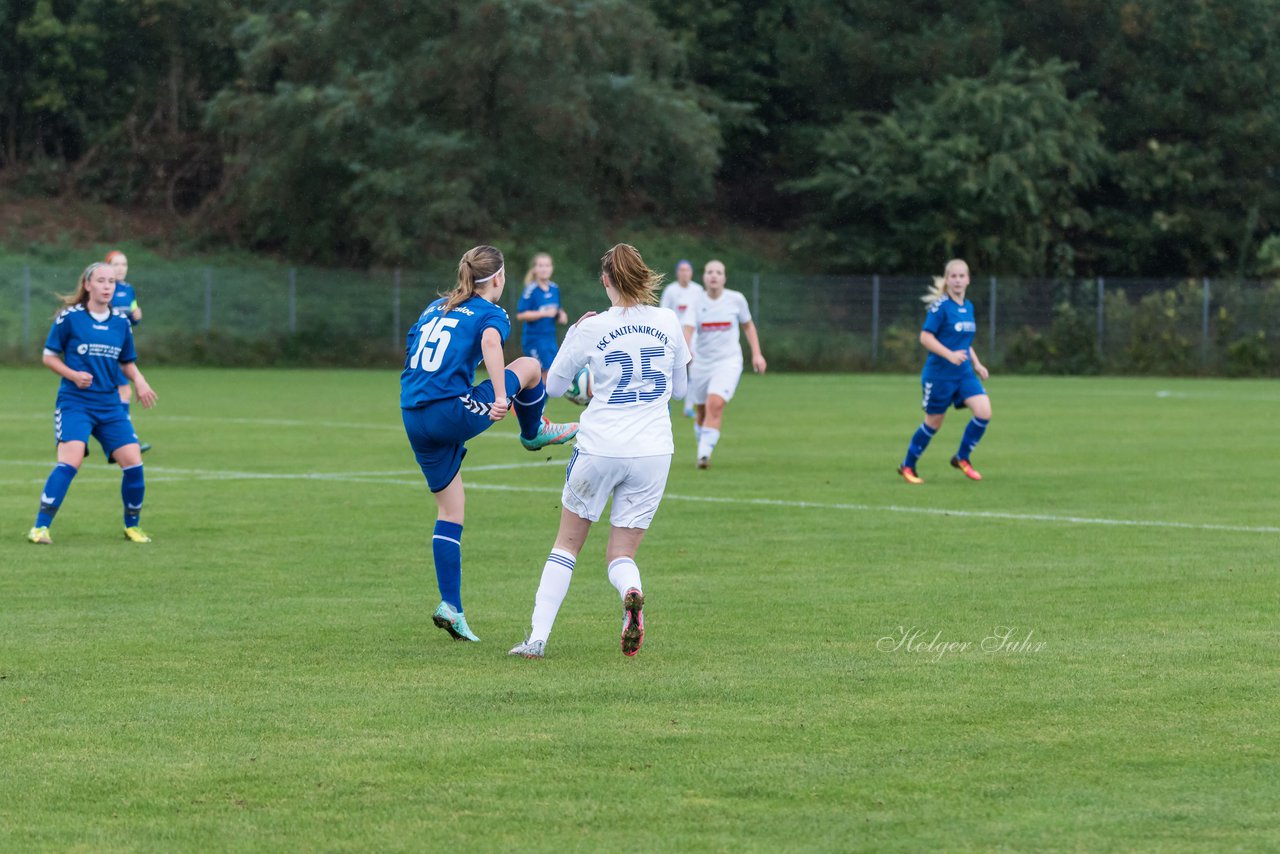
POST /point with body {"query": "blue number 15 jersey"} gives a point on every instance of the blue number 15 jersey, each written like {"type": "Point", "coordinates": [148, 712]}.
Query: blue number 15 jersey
{"type": "Point", "coordinates": [443, 350]}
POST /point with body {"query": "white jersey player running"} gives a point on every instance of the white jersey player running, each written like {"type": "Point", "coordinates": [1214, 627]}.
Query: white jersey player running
{"type": "Point", "coordinates": [680, 296]}
{"type": "Point", "coordinates": [717, 365]}
{"type": "Point", "coordinates": [637, 354]}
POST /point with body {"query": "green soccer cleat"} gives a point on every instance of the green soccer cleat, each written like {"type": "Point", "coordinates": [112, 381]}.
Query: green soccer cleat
{"type": "Point", "coordinates": [529, 649]}
{"type": "Point", "coordinates": [136, 535]}
{"type": "Point", "coordinates": [452, 621]}
{"type": "Point", "coordinates": [550, 433]}
{"type": "Point", "coordinates": [39, 536]}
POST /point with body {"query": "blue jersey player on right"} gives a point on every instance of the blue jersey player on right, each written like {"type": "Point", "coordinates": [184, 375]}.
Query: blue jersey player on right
{"type": "Point", "coordinates": [952, 374]}
{"type": "Point", "coordinates": [442, 408]}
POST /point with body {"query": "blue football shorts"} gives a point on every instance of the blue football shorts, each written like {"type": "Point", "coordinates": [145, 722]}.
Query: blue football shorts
{"type": "Point", "coordinates": [543, 351]}
{"type": "Point", "coordinates": [438, 430]}
{"type": "Point", "coordinates": [939, 395]}
{"type": "Point", "coordinates": [111, 427]}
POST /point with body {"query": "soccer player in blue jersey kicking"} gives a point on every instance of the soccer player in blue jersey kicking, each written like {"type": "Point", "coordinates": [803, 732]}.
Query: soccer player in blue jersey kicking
{"type": "Point", "coordinates": [539, 310]}
{"type": "Point", "coordinates": [91, 347]}
{"type": "Point", "coordinates": [442, 408]}
{"type": "Point", "coordinates": [952, 374]}
{"type": "Point", "coordinates": [126, 299]}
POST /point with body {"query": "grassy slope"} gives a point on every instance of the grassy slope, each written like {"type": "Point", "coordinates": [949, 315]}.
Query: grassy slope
{"type": "Point", "coordinates": [265, 675]}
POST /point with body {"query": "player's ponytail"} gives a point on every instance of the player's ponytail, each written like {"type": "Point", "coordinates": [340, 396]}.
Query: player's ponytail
{"type": "Point", "coordinates": [630, 277]}
{"type": "Point", "coordinates": [939, 288]}
{"type": "Point", "coordinates": [479, 265]}
{"type": "Point", "coordinates": [936, 291]}
{"type": "Point", "coordinates": [528, 277]}
{"type": "Point", "coordinates": [81, 295]}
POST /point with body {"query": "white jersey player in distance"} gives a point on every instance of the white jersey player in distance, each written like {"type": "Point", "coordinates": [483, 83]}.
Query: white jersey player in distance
{"type": "Point", "coordinates": [680, 296]}
{"type": "Point", "coordinates": [717, 355]}
{"type": "Point", "coordinates": [637, 354]}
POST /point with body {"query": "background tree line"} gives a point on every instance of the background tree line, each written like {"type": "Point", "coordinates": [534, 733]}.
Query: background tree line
{"type": "Point", "coordinates": [1033, 137]}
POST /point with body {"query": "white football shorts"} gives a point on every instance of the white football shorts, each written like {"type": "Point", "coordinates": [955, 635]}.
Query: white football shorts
{"type": "Point", "coordinates": [636, 485]}
{"type": "Point", "coordinates": [716, 378]}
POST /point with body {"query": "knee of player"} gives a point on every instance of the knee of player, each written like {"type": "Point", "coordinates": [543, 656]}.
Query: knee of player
{"type": "Point", "coordinates": [527, 369]}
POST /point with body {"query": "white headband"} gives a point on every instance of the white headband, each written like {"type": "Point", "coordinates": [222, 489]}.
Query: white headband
{"type": "Point", "coordinates": [494, 276]}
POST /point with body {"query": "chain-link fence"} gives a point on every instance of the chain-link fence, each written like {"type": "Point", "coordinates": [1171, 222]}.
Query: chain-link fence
{"type": "Point", "coordinates": [268, 315]}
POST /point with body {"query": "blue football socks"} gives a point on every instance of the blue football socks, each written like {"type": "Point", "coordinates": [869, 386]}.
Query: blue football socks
{"type": "Point", "coordinates": [446, 548]}
{"type": "Point", "coordinates": [919, 442]}
{"type": "Point", "coordinates": [132, 488]}
{"type": "Point", "coordinates": [529, 404]}
{"type": "Point", "coordinates": [55, 489]}
{"type": "Point", "coordinates": [972, 436]}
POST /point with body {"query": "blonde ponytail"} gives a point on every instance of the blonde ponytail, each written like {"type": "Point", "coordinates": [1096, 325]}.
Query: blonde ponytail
{"type": "Point", "coordinates": [939, 289]}
{"type": "Point", "coordinates": [936, 292]}
{"type": "Point", "coordinates": [479, 265]}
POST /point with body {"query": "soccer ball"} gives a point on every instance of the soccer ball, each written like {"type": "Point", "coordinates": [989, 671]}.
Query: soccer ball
{"type": "Point", "coordinates": [580, 389]}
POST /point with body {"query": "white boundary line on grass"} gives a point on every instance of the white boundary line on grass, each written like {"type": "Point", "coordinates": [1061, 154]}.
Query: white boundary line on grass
{"type": "Point", "coordinates": [386, 479]}
{"type": "Point", "coordinates": [264, 422]}
{"type": "Point", "coordinates": [341, 476]}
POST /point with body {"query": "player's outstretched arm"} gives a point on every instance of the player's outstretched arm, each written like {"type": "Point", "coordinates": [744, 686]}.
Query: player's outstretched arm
{"type": "Point", "coordinates": [146, 395]}
{"type": "Point", "coordinates": [758, 364]}
{"type": "Point", "coordinates": [978, 367]}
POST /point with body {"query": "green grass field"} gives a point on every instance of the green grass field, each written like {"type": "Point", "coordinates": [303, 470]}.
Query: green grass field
{"type": "Point", "coordinates": [265, 676]}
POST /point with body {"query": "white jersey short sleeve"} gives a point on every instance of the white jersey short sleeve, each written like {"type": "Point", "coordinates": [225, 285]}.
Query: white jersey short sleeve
{"type": "Point", "coordinates": [682, 300]}
{"type": "Point", "coordinates": [633, 353]}
{"type": "Point", "coordinates": [716, 327]}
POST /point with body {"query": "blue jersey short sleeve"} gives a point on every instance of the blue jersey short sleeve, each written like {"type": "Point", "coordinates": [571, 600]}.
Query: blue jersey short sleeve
{"type": "Point", "coordinates": [443, 350]}
{"type": "Point", "coordinates": [94, 346]}
{"type": "Point", "coordinates": [544, 328]}
{"type": "Point", "coordinates": [954, 325]}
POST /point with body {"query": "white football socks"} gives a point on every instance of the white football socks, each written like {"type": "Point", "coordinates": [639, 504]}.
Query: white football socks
{"type": "Point", "coordinates": [624, 575]}
{"type": "Point", "coordinates": [707, 441]}
{"type": "Point", "coordinates": [556, 575]}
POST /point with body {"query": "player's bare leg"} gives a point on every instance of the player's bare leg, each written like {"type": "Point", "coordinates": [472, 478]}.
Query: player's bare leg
{"type": "Point", "coordinates": [711, 416]}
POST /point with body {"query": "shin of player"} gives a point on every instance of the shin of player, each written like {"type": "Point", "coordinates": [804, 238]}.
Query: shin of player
{"type": "Point", "coordinates": [952, 374]}
{"type": "Point", "coordinates": [91, 347]}
{"type": "Point", "coordinates": [637, 354]}
{"type": "Point", "coordinates": [442, 408]}
{"type": "Point", "coordinates": [714, 374]}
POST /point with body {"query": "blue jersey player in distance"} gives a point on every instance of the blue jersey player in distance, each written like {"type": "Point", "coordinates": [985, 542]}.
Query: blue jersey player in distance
{"type": "Point", "coordinates": [443, 408]}
{"type": "Point", "coordinates": [125, 299]}
{"type": "Point", "coordinates": [952, 374]}
{"type": "Point", "coordinates": [90, 346]}
{"type": "Point", "coordinates": [540, 310]}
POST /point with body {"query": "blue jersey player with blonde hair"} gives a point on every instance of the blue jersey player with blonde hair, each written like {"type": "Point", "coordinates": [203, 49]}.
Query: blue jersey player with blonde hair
{"type": "Point", "coordinates": [540, 310]}
{"type": "Point", "coordinates": [952, 374]}
{"type": "Point", "coordinates": [442, 408]}
{"type": "Point", "coordinates": [91, 347]}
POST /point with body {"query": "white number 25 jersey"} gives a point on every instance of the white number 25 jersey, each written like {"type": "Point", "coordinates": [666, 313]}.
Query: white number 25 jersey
{"type": "Point", "coordinates": [633, 353]}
